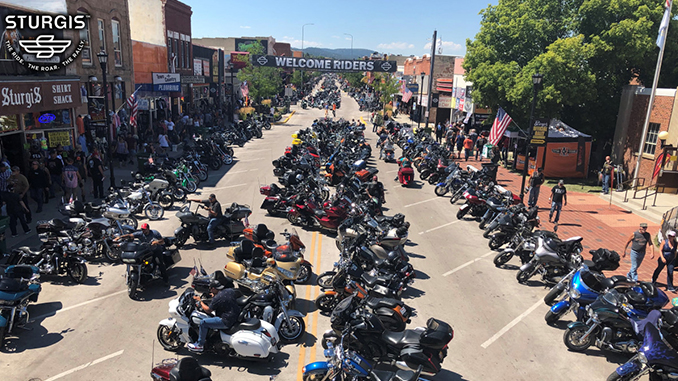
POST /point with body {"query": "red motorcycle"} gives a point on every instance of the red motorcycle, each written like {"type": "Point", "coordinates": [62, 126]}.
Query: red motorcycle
{"type": "Point", "coordinates": [329, 215]}
{"type": "Point", "coordinates": [475, 204]}
{"type": "Point", "coordinates": [405, 173]}
{"type": "Point", "coordinates": [186, 369]}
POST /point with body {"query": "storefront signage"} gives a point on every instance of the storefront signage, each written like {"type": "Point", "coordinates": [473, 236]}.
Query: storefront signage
{"type": "Point", "coordinates": [37, 41]}
{"type": "Point", "coordinates": [166, 82]}
{"type": "Point", "coordinates": [59, 137]}
{"type": "Point", "coordinates": [445, 101]}
{"type": "Point", "coordinates": [319, 64]}
{"type": "Point", "coordinates": [185, 79]}
{"type": "Point", "coordinates": [197, 66]}
{"type": "Point", "coordinates": [46, 118]}
{"type": "Point", "coordinates": [23, 97]}
{"type": "Point", "coordinates": [540, 132]}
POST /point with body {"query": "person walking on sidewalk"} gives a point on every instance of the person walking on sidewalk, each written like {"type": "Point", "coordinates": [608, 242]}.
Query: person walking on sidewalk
{"type": "Point", "coordinates": [667, 259]}
{"type": "Point", "coordinates": [480, 144]}
{"type": "Point", "coordinates": [558, 195]}
{"type": "Point", "coordinates": [71, 180]}
{"type": "Point", "coordinates": [39, 181]}
{"type": "Point", "coordinates": [55, 166]}
{"type": "Point", "coordinates": [96, 172]}
{"type": "Point", "coordinates": [607, 174]}
{"type": "Point", "coordinates": [20, 186]}
{"type": "Point", "coordinates": [536, 180]}
{"type": "Point", "coordinates": [439, 133]}
{"type": "Point", "coordinates": [460, 143]}
{"type": "Point", "coordinates": [641, 240]}
{"type": "Point", "coordinates": [16, 210]}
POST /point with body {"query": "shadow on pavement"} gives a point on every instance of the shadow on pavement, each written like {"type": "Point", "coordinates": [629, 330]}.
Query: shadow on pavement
{"type": "Point", "coordinates": [420, 275]}
{"type": "Point", "coordinates": [412, 293]}
{"type": "Point", "coordinates": [265, 367]}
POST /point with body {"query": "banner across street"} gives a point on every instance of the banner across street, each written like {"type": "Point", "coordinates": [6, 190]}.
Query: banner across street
{"type": "Point", "coordinates": [323, 64]}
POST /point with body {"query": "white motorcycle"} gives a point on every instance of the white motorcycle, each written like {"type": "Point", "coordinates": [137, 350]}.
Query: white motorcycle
{"type": "Point", "coordinates": [252, 338]}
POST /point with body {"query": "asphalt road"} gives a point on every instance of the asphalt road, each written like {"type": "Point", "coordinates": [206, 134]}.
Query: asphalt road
{"type": "Point", "coordinates": [95, 332]}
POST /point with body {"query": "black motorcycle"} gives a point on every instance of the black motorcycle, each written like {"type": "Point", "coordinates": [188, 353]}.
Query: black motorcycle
{"type": "Point", "coordinates": [59, 257]}
{"type": "Point", "coordinates": [141, 267]}
{"type": "Point", "coordinates": [194, 224]}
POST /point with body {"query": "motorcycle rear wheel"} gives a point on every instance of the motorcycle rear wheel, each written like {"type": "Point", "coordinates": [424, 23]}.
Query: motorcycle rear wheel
{"type": "Point", "coordinates": [111, 254]}
{"type": "Point", "coordinates": [179, 194]}
{"type": "Point", "coordinates": [293, 219]}
{"type": "Point", "coordinates": [166, 200]}
{"type": "Point", "coordinates": [215, 164]}
{"type": "Point", "coordinates": [166, 341]}
{"type": "Point", "coordinates": [424, 174]}
{"type": "Point", "coordinates": [294, 333]}
{"type": "Point", "coordinates": [502, 258]}
{"type": "Point", "coordinates": [228, 159]}
{"type": "Point", "coordinates": [324, 280]}
{"type": "Point", "coordinates": [440, 191]}
{"type": "Point", "coordinates": [78, 272]}
{"type": "Point", "coordinates": [572, 339]}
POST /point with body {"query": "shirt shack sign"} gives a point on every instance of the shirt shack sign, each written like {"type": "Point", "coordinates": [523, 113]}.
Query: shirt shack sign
{"type": "Point", "coordinates": [30, 97]}
{"type": "Point", "coordinates": [323, 64]}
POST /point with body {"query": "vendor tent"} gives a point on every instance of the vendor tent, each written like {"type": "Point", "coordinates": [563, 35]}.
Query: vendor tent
{"type": "Point", "coordinates": [567, 152]}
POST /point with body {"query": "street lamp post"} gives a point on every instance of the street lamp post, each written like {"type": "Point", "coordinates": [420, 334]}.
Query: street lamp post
{"type": "Point", "coordinates": [302, 53]}
{"type": "Point", "coordinates": [103, 61]}
{"type": "Point", "coordinates": [348, 34]}
{"type": "Point", "coordinates": [231, 104]}
{"type": "Point", "coordinates": [421, 92]}
{"type": "Point", "coordinates": [536, 83]}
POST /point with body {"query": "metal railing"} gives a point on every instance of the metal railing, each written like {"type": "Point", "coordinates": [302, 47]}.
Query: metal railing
{"type": "Point", "coordinates": [639, 186]}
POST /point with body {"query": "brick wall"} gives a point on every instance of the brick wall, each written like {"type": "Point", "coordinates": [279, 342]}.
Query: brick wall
{"type": "Point", "coordinates": [148, 58]}
{"type": "Point", "coordinates": [661, 113]}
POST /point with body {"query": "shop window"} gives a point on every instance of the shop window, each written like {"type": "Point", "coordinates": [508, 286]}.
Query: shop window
{"type": "Point", "coordinates": [651, 138]}
{"type": "Point", "coordinates": [102, 35]}
{"type": "Point", "coordinates": [117, 44]}
{"type": "Point", "coordinates": [48, 120]}
{"type": "Point", "coordinates": [188, 56]}
{"type": "Point", "coordinates": [87, 49]}
{"type": "Point", "coordinates": [8, 123]}
{"type": "Point", "coordinates": [169, 51]}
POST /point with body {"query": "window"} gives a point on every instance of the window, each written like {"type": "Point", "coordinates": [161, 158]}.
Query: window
{"type": "Point", "coordinates": [175, 49]}
{"type": "Point", "coordinates": [651, 138]}
{"type": "Point", "coordinates": [181, 56]}
{"type": "Point", "coordinates": [117, 44]}
{"type": "Point", "coordinates": [187, 59]}
{"type": "Point", "coordinates": [102, 35]}
{"type": "Point", "coordinates": [87, 49]}
{"type": "Point", "coordinates": [169, 51]}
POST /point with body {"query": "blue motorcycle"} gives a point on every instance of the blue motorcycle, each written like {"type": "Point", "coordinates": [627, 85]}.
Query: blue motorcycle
{"type": "Point", "coordinates": [654, 357]}
{"type": "Point", "coordinates": [584, 285]}
{"type": "Point", "coordinates": [344, 364]}
{"type": "Point", "coordinates": [18, 287]}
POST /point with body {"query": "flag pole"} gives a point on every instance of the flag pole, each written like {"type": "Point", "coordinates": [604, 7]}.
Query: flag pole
{"type": "Point", "coordinates": [125, 102]}
{"type": "Point", "coordinates": [654, 89]}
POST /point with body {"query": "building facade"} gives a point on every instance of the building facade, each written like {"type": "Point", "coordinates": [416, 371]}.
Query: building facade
{"type": "Point", "coordinates": [179, 50]}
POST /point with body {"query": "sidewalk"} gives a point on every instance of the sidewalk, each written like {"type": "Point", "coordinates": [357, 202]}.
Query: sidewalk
{"type": "Point", "coordinates": [592, 217]}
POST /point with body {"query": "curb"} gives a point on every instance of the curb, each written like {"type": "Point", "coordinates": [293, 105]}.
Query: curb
{"type": "Point", "coordinates": [286, 119]}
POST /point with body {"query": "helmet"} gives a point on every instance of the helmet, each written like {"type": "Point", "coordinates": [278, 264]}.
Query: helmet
{"type": "Point", "coordinates": [296, 142]}
{"type": "Point", "coordinates": [145, 226]}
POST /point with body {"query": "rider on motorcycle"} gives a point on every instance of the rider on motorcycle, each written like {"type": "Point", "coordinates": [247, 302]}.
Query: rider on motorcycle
{"type": "Point", "coordinates": [403, 162]}
{"type": "Point", "coordinates": [225, 309]}
{"type": "Point", "coordinates": [216, 216]}
{"type": "Point", "coordinates": [146, 235]}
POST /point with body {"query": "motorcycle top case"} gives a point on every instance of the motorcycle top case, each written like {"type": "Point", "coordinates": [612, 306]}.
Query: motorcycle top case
{"type": "Point", "coordinates": [234, 270]}
{"type": "Point", "coordinates": [413, 356]}
{"type": "Point", "coordinates": [437, 334]}
{"type": "Point", "coordinates": [239, 212]}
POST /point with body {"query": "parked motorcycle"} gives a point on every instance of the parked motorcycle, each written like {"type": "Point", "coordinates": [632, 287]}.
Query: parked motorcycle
{"type": "Point", "coordinates": [19, 286]}
{"type": "Point", "coordinates": [194, 224]}
{"type": "Point", "coordinates": [141, 266]}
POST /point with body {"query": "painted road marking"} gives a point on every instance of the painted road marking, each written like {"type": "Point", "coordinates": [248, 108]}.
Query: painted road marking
{"type": "Point", "coordinates": [316, 290]}
{"type": "Point", "coordinates": [468, 264]}
{"type": "Point", "coordinates": [241, 171]}
{"type": "Point", "coordinates": [286, 120]}
{"type": "Point", "coordinates": [421, 202]}
{"type": "Point", "coordinates": [510, 325]}
{"type": "Point", "coordinates": [302, 351]}
{"type": "Point", "coordinates": [439, 227]}
{"type": "Point", "coordinates": [83, 366]}
{"type": "Point", "coordinates": [77, 305]}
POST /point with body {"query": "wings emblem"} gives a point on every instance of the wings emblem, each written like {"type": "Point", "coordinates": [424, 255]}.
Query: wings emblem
{"type": "Point", "coordinates": [45, 46]}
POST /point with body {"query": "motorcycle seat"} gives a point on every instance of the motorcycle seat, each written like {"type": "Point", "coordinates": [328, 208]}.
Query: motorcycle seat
{"type": "Point", "coordinates": [242, 300]}
{"type": "Point", "coordinates": [382, 302]}
{"type": "Point", "coordinates": [400, 339]}
{"type": "Point", "coordinates": [400, 375]}
{"type": "Point", "coordinates": [320, 213]}
{"type": "Point", "coordinates": [248, 325]}
{"type": "Point", "coordinates": [371, 280]}
{"type": "Point", "coordinates": [244, 250]}
{"type": "Point", "coordinates": [188, 369]}
{"type": "Point", "coordinates": [262, 233]}
{"type": "Point", "coordinates": [12, 285]}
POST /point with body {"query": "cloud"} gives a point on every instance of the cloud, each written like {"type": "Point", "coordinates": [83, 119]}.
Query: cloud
{"type": "Point", "coordinates": [296, 43]}
{"type": "Point", "coordinates": [450, 46]}
{"type": "Point", "coordinates": [336, 37]}
{"type": "Point", "coordinates": [245, 27]}
{"type": "Point", "coordinates": [395, 46]}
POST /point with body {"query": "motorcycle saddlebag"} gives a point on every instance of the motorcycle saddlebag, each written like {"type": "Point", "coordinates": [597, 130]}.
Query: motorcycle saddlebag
{"type": "Point", "coordinates": [238, 212]}
{"type": "Point", "coordinates": [414, 357]}
{"type": "Point", "coordinates": [437, 334]}
{"type": "Point", "coordinates": [234, 270]}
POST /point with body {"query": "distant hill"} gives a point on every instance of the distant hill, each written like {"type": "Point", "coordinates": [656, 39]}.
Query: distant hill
{"type": "Point", "coordinates": [342, 54]}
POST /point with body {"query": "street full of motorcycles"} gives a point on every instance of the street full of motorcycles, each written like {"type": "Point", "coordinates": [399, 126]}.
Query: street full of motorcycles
{"type": "Point", "coordinates": [611, 313]}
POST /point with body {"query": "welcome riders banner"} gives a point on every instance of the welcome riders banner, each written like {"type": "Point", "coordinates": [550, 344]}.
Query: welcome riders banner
{"type": "Point", "coordinates": [322, 64]}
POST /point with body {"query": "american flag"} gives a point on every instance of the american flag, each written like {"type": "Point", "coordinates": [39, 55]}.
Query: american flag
{"type": "Point", "coordinates": [407, 94]}
{"type": "Point", "coordinates": [193, 271]}
{"type": "Point", "coordinates": [499, 126]}
{"type": "Point", "coordinates": [664, 25]}
{"type": "Point", "coordinates": [244, 89]}
{"type": "Point", "coordinates": [133, 106]}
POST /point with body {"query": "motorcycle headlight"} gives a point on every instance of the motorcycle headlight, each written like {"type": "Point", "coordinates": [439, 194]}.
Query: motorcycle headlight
{"type": "Point", "coordinates": [575, 294]}
{"type": "Point", "coordinates": [641, 358]}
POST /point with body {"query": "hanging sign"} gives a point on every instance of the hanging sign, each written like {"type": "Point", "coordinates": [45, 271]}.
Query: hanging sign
{"type": "Point", "coordinates": [540, 132]}
{"type": "Point", "coordinates": [320, 64]}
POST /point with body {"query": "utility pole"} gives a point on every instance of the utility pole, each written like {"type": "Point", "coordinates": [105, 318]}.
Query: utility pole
{"type": "Point", "coordinates": [430, 76]}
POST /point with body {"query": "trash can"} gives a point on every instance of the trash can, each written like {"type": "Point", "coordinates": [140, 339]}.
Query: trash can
{"type": "Point", "coordinates": [490, 169]}
{"type": "Point", "coordinates": [4, 223]}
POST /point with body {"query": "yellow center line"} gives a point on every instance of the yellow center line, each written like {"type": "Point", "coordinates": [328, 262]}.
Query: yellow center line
{"type": "Point", "coordinates": [302, 351]}
{"type": "Point", "coordinates": [316, 290]}
{"type": "Point", "coordinates": [363, 120]}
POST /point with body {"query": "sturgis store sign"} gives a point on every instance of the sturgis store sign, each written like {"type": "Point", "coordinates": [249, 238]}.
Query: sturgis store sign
{"type": "Point", "coordinates": [24, 97]}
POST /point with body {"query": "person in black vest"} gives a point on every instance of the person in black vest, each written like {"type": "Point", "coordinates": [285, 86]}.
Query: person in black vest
{"type": "Point", "coordinates": [558, 194]}
{"type": "Point", "coordinates": [536, 180]}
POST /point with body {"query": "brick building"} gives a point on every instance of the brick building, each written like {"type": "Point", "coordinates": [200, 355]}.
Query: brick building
{"type": "Point", "coordinates": [628, 133]}
{"type": "Point", "coordinates": [108, 30]}
{"type": "Point", "coordinates": [179, 50]}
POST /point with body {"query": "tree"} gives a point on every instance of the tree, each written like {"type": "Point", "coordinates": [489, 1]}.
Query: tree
{"type": "Point", "coordinates": [354, 79]}
{"type": "Point", "coordinates": [586, 49]}
{"type": "Point", "coordinates": [263, 82]}
{"type": "Point", "coordinates": [385, 85]}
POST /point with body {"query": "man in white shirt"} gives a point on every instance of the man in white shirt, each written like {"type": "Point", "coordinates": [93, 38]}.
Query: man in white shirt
{"type": "Point", "coordinates": [170, 130]}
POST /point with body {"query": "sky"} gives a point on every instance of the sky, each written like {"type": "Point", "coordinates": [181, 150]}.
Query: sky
{"type": "Point", "coordinates": [393, 27]}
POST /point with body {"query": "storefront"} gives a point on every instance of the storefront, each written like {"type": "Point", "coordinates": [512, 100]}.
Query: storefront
{"type": "Point", "coordinates": [37, 112]}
